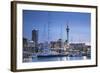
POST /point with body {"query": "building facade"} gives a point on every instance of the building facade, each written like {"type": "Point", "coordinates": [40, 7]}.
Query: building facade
{"type": "Point", "coordinates": [35, 36]}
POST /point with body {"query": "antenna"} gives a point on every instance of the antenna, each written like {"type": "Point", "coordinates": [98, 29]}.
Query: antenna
{"type": "Point", "coordinates": [44, 31]}
{"type": "Point", "coordinates": [61, 32]}
{"type": "Point", "coordinates": [49, 23]}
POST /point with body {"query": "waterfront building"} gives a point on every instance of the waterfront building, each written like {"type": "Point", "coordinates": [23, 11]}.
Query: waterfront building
{"type": "Point", "coordinates": [28, 48]}
{"type": "Point", "coordinates": [66, 46]}
{"type": "Point", "coordinates": [52, 43]}
{"type": "Point", "coordinates": [59, 42]}
{"type": "Point", "coordinates": [35, 36]}
{"type": "Point", "coordinates": [25, 42]}
{"type": "Point", "coordinates": [77, 46]}
{"type": "Point", "coordinates": [31, 44]}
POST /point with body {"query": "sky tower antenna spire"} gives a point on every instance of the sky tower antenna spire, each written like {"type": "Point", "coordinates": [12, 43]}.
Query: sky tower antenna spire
{"type": "Point", "coordinates": [67, 31]}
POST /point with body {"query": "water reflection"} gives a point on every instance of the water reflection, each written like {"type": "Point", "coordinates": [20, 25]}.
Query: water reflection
{"type": "Point", "coordinates": [46, 59]}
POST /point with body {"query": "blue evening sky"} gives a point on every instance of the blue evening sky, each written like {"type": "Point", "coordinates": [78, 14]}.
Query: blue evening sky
{"type": "Point", "coordinates": [79, 24]}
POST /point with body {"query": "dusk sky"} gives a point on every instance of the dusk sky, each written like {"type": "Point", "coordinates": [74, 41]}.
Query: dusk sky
{"type": "Point", "coordinates": [79, 24]}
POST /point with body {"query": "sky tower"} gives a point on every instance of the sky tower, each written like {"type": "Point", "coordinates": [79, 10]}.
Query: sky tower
{"type": "Point", "coordinates": [67, 30]}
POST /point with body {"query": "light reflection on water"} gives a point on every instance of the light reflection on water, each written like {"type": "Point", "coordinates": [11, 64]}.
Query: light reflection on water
{"type": "Point", "coordinates": [45, 59]}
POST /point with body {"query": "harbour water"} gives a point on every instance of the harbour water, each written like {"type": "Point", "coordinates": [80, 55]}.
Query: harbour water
{"type": "Point", "coordinates": [64, 58]}
{"type": "Point", "coordinates": [48, 55]}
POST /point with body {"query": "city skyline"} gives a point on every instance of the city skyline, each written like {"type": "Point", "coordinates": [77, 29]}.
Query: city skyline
{"type": "Point", "coordinates": [79, 24]}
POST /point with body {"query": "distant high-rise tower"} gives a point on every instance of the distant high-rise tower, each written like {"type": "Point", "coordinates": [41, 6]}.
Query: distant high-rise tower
{"type": "Point", "coordinates": [35, 36]}
{"type": "Point", "coordinates": [67, 30]}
